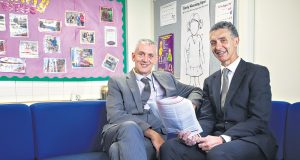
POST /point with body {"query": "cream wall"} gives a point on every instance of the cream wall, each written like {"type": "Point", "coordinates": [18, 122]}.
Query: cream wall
{"type": "Point", "coordinates": [277, 45]}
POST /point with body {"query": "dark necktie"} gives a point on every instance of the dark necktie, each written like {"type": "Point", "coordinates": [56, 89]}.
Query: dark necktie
{"type": "Point", "coordinates": [224, 86]}
{"type": "Point", "coordinates": [146, 91]}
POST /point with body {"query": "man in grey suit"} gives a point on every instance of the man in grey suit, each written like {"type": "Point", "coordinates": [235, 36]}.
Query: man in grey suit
{"type": "Point", "coordinates": [134, 131]}
{"type": "Point", "coordinates": [236, 111]}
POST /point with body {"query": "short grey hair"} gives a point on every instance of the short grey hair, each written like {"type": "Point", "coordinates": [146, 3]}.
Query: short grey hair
{"type": "Point", "coordinates": [144, 41]}
{"type": "Point", "coordinates": [225, 25]}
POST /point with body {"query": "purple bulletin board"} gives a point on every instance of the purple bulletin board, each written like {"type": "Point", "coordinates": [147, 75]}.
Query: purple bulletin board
{"type": "Point", "coordinates": [105, 51]}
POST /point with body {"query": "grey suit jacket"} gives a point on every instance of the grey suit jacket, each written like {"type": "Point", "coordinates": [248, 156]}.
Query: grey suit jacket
{"type": "Point", "coordinates": [247, 107]}
{"type": "Point", "coordinates": [124, 100]}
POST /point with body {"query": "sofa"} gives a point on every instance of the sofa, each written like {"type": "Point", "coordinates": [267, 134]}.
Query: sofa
{"type": "Point", "coordinates": [52, 131]}
{"type": "Point", "coordinates": [72, 130]}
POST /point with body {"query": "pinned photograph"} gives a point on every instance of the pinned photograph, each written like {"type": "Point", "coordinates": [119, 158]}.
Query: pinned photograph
{"type": "Point", "coordinates": [11, 64]}
{"type": "Point", "coordinates": [110, 36]}
{"type": "Point", "coordinates": [87, 37]}
{"type": "Point", "coordinates": [106, 14]}
{"type": "Point", "coordinates": [52, 44]}
{"type": "Point", "coordinates": [82, 57]}
{"type": "Point", "coordinates": [2, 47]}
{"type": "Point", "coordinates": [28, 49]}
{"type": "Point", "coordinates": [2, 22]}
{"type": "Point", "coordinates": [54, 65]}
{"type": "Point", "coordinates": [18, 25]}
{"type": "Point", "coordinates": [110, 62]}
{"type": "Point", "coordinates": [46, 25]}
{"type": "Point", "coordinates": [74, 18]}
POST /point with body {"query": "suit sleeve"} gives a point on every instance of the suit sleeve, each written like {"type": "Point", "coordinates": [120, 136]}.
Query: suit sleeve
{"type": "Point", "coordinates": [116, 112]}
{"type": "Point", "coordinates": [206, 114]}
{"type": "Point", "coordinates": [195, 94]}
{"type": "Point", "coordinates": [259, 107]}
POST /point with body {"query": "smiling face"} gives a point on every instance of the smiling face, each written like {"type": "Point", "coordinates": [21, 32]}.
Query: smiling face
{"type": "Point", "coordinates": [144, 58]}
{"type": "Point", "coordinates": [224, 46]}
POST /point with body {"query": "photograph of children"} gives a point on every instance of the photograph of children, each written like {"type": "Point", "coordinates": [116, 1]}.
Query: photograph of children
{"type": "Point", "coordinates": [110, 62]}
{"type": "Point", "coordinates": [46, 25]}
{"type": "Point", "coordinates": [28, 49]}
{"type": "Point", "coordinates": [11, 64]}
{"type": "Point", "coordinates": [2, 22]}
{"type": "Point", "coordinates": [74, 18]}
{"type": "Point", "coordinates": [106, 14]}
{"type": "Point", "coordinates": [54, 65]}
{"type": "Point", "coordinates": [110, 36]}
{"type": "Point", "coordinates": [18, 25]}
{"type": "Point", "coordinates": [2, 47]}
{"type": "Point", "coordinates": [51, 44]}
{"type": "Point", "coordinates": [87, 37]}
{"type": "Point", "coordinates": [82, 57]}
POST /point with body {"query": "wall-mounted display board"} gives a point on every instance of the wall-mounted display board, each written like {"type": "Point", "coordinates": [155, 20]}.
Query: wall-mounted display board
{"type": "Point", "coordinates": [62, 40]}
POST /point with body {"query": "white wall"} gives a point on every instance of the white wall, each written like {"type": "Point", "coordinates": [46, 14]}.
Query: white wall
{"type": "Point", "coordinates": [139, 25]}
{"type": "Point", "coordinates": [272, 30]}
{"type": "Point", "coordinates": [277, 45]}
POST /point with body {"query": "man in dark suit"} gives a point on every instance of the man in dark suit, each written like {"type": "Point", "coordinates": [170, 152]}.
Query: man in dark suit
{"type": "Point", "coordinates": [236, 111]}
{"type": "Point", "coordinates": [134, 131]}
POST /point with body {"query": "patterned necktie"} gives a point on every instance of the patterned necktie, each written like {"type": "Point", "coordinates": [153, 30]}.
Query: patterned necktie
{"type": "Point", "coordinates": [224, 86]}
{"type": "Point", "coordinates": [146, 91]}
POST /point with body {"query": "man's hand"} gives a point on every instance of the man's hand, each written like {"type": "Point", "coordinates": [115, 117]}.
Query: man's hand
{"type": "Point", "coordinates": [188, 139]}
{"type": "Point", "coordinates": [209, 142]}
{"type": "Point", "coordinates": [155, 137]}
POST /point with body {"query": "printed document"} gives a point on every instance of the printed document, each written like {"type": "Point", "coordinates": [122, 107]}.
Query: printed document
{"type": "Point", "coordinates": [178, 114]}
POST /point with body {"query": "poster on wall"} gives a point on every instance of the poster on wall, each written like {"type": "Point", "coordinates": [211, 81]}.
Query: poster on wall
{"type": "Point", "coordinates": [18, 25]}
{"type": "Point", "coordinates": [110, 36]}
{"type": "Point", "coordinates": [224, 11]}
{"type": "Point", "coordinates": [195, 25]}
{"type": "Point", "coordinates": [87, 37]}
{"type": "Point", "coordinates": [168, 13]}
{"type": "Point", "coordinates": [28, 49]}
{"type": "Point", "coordinates": [106, 14]}
{"type": "Point", "coordinates": [166, 53]}
{"type": "Point", "coordinates": [110, 62]}
{"type": "Point", "coordinates": [2, 22]}
{"type": "Point", "coordinates": [82, 57]}
{"type": "Point", "coordinates": [12, 64]}
{"type": "Point", "coordinates": [48, 25]}
{"type": "Point", "coordinates": [74, 18]}
{"type": "Point", "coordinates": [2, 47]}
{"type": "Point", "coordinates": [52, 44]}
{"type": "Point", "coordinates": [54, 65]}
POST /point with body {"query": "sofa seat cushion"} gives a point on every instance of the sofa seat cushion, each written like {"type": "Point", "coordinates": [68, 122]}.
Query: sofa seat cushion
{"type": "Point", "coordinates": [83, 156]}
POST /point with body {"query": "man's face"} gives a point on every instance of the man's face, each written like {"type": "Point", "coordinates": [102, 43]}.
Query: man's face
{"type": "Point", "coordinates": [144, 58]}
{"type": "Point", "coordinates": [224, 46]}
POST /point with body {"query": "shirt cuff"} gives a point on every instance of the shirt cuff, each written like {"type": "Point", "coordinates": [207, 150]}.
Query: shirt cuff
{"type": "Point", "coordinates": [226, 138]}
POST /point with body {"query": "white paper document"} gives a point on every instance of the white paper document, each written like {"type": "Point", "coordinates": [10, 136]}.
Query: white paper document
{"type": "Point", "coordinates": [178, 114]}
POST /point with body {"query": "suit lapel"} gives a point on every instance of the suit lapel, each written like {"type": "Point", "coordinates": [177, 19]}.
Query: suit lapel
{"type": "Point", "coordinates": [217, 90]}
{"type": "Point", "coordinates": [162, 82]}
{"type": "Point", "coordinates": [236, 80]}
{"type": "Point", "coordinates": [131, 81]}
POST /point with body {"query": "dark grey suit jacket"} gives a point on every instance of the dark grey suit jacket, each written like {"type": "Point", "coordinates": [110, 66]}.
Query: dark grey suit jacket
{"type": "Point", "coordinates": [247, 107]}
{"type": "Point", "coordinates": [124, 100]}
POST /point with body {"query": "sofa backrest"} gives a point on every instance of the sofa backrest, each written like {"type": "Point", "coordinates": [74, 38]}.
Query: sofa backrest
{"type": "Point", "coordinates": [16, 140]}
{"type": "Point", "coordinates": [292, 135]}
{"type": "Point", "coordinates": [277, 124]}
{"type": "Point", "coordinates": [63, 128]}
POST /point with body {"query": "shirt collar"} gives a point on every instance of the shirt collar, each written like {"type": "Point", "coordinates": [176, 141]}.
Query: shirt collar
{"type": "Point", "coordinates": [232, 67]}
{"type": "Point", "coordinates": [139, 76]}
